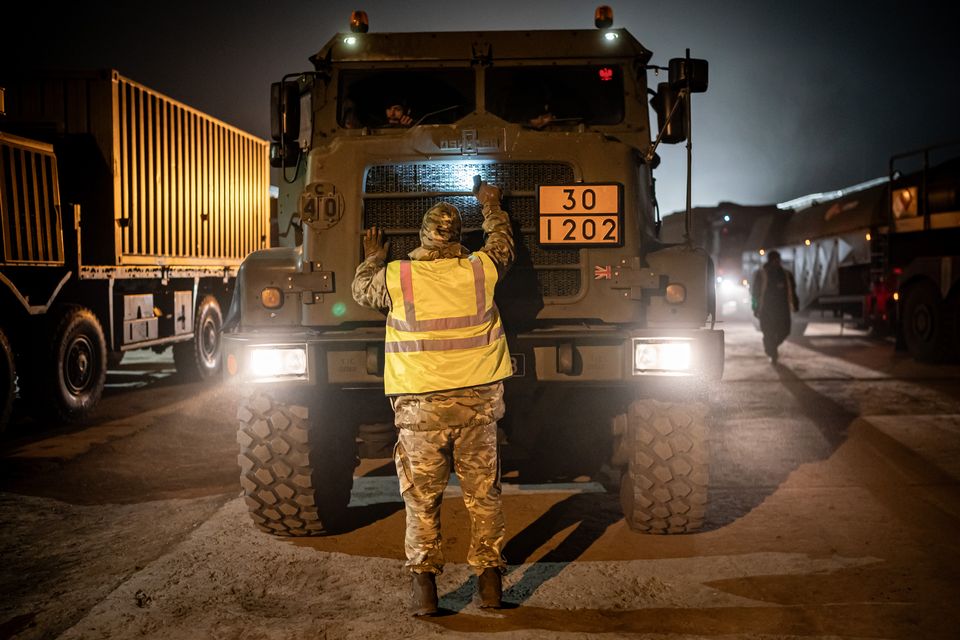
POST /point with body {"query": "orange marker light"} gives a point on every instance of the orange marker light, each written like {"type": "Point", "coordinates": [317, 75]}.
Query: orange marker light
{"type": "Point", "coordinates": [359, 22]}
{"type": "Point", "coordinates": [603, 17]}
{"type": "Point", "coordinates": [232, 367]}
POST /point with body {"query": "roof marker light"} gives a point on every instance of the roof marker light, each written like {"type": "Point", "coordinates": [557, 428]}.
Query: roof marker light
{"type": "Point", "coordinates": [603, 17]}
{"type": "Point", "coordinates": [359, 22]}
{"type": "Point", "coordinates": [350, 40]}
{"type": "Point", "coordinates": [611, 35]}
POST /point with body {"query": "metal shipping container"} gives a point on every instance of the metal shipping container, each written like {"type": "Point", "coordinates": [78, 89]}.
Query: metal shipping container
{"type": "Point", "coordinates": [170, 185]}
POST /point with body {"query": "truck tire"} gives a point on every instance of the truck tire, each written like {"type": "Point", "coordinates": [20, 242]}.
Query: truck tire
{"type": "Point", "coordinates": [74, 369]}
{"type": "Point", "coordinates": [926, 329]}
{"type": "Point", "coordinates": [664, 447]}
{"type": "Point", "coordinates": [296, 477]}
{"type": "Point", "coordinates": [199, 359]}
{"type": "Point", "coordinates": [8, 381]}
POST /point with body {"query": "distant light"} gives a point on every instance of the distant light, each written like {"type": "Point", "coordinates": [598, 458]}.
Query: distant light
{"type": "Point", "coordinates": [896, 295]}
{"type": "Point", "coordinates": [611, 36]}
{"type": "Point", "coordinates": [338, 309]}
{"type": "Point", "coordinates": [869, 237]}
{"type": "Point", "coordinates": [350, 40]}
{"type": "Point", "coordinates": [726, 217]}
{"type": "Point", "coordinates": [762, 252]}
{"type": "Point", "coordinates": [744, 282]}
{"type": "Point", "coordinates": [807, 242]}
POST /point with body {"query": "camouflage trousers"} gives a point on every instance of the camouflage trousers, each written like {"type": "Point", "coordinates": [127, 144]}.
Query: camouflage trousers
{"type": "Point", "coordinates": [424, 460]}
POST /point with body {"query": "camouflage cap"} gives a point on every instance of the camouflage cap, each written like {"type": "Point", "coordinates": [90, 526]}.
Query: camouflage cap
{"type": "Point", "coordinates": [441, 226]}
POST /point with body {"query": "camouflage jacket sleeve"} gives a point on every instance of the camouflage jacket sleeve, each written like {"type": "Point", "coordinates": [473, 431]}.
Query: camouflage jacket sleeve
{"type": "Point", "coordinates": [498, 237]}
{"type": "Point", "coordinates": [369, 286]}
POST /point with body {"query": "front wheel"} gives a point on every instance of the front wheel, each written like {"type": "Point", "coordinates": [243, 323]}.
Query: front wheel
{"type": "Point", "coordinates": [199, 359]}
{"type": "Point", "coordinates": [70, 377]}
{"type": "Point", "coordinates": [296, 473]}
{"type": "Point", "coordinates": [664, 449]}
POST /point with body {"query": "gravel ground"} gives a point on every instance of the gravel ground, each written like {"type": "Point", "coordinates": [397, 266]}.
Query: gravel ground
{"type": "Point", "coordinates": [227, 580]}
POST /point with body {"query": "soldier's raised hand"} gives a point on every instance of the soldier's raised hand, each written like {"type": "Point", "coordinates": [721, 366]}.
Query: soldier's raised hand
{"type": "Point", "coordinates": [488, 194]}
{"type": "Point", "coordinates": [373, 244]}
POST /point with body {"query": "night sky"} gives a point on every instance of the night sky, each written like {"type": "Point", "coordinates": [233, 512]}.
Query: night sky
{"type": "Point", "coordinates": [804, 96]}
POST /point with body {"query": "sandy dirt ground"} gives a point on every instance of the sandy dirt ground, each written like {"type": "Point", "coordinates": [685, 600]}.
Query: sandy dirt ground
{"type": "Point", "coordinates": [833, 513]}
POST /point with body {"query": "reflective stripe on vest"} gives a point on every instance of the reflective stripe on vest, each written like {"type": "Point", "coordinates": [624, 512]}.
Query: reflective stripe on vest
{"type": "Point", "coordinates": [438, 338]}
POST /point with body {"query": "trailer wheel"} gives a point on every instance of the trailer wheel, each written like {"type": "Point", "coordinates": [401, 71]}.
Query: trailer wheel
{"type": "Point", "coordinates": [296, 476]}
{"type": "Point", "coordinates": [199, 359]}
{"type": "Point", "coordinates": [926, 328]}
{"type": "Point", "coordinates": [8, 381]}
{"type": "Point", "coordinates": [664, 446]}
{"type": "Point", "coordinates": [75, 367]}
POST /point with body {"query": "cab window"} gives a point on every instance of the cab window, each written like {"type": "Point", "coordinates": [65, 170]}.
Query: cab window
{"type": "Point", "coordinates": [542, 97]}
{"type": "Point", "coordinates": [387, 98]}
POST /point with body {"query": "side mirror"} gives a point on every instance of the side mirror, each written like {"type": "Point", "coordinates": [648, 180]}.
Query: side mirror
{"type": "Point", "coordinates": [673, 129]}
{"type": "Point", "coordinates": [284, 112]}
{"type": "Point", "coordinates": [694, 69]}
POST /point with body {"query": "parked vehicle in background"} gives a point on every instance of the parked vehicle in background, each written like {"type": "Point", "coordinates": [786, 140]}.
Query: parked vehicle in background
{"type": "Point", "coordinates": [124, 216]}
{"type": "Point", "coordinates": [724, 232]}
{"type": "Point", "coordinates": [884, 255]}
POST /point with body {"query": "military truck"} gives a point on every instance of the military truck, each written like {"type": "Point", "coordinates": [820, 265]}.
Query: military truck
{"type": "Point", "coordinates": [881, 255]}
{"type": "Point", "coordinates": [602, 318]}
{"type": "Point", "coordinates": [124, 216]}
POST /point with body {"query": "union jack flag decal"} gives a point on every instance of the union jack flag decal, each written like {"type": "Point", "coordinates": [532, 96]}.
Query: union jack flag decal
{"type": "Point", "coordinates": [602, 273]}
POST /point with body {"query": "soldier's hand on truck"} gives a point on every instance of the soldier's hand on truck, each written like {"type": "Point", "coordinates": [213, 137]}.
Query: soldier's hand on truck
{"type": "Point", "coordinates": [373, 244]}
{"type": "Point", "coordinates": [486, 193]}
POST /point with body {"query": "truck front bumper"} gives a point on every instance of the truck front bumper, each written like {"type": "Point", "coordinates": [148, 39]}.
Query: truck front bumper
{"type": "Point", "coordinates": [586, 355]}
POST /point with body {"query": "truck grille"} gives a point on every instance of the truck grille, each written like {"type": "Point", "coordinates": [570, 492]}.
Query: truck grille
{"type": "Point", "coordinates": [397, 195]}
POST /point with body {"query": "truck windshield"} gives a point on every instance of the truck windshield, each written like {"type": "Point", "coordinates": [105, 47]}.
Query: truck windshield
{"type": "Point", "coordinates": [544, 96]}
{"type": "Point", "coordinates": [385, 98]}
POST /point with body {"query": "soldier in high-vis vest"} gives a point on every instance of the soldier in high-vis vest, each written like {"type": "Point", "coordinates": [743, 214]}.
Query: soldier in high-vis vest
{"type": "Point", "coordinates": [445, 356]}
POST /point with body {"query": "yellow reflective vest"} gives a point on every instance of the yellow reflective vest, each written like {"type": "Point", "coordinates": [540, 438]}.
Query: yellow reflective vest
{"type": "Point", "coordinates": [443, 329]}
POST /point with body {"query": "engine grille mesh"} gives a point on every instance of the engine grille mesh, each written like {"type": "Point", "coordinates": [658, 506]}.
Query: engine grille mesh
{"type": "Point", "coordinates": [403, 192]}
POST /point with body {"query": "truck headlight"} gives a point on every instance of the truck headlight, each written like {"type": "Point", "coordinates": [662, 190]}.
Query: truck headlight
{"type": "Point", "coordinates": [662, 355]}
{"type": "Point", "coordinates": [277, 362]}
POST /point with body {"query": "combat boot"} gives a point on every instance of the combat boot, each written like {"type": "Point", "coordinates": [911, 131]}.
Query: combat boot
{"type": "Point", "coordinates": [424, 594]}
{"type": "Point", "coordinates": [490, 589]}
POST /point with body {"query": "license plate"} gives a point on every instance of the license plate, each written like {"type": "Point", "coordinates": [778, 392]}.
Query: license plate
{"type": "Point", "coordinates": [580, 214]}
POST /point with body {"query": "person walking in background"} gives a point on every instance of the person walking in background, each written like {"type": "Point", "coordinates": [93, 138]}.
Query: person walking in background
{"type": "Point", "coordinates": [445, 358]}
{"type": "Point", "coordinates": [774, 299]}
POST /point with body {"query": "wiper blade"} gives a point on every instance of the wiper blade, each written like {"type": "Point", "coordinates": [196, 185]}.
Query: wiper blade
{"type": "Point", "coordinates": [433, 113]}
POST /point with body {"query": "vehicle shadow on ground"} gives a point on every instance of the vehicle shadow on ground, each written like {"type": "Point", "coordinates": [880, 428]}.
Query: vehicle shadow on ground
{"type": "Point", "coordinates": [752, 465]}
{"type": "Point", "coordinates": [592, 514]}
{"type": "Point", "coordinates": [363, 515]}
{"type": "Point", "coordinates": [129, 388]}
{"type": "Point", "coordinates": [940, 376]}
